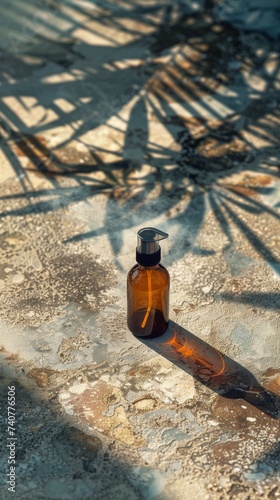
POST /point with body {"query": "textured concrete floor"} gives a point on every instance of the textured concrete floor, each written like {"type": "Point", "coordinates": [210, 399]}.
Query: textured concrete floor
{"type": "Point", "coordinates": [115, 116]}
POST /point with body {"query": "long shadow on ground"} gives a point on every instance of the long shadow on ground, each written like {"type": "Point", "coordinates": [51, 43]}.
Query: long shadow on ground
{"type": "Point", "coordinates": [214, 369]}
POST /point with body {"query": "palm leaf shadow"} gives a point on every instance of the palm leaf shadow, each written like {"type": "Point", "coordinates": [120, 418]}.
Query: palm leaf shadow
{"type": "Point", "coordinates": [194, 176]}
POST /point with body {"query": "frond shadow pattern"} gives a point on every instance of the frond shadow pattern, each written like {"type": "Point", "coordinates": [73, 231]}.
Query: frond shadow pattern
{"type": "Point", "coordinates": [137, 73]}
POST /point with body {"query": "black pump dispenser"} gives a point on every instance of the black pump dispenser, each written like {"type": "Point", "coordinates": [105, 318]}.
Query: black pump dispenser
{"type": "Point", "coordinates": [148, 253]}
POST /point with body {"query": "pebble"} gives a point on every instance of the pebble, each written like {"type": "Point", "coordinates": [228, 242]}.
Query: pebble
{"type": "Point", "coordinates": [67, 323]}
{"type": "Point", "coordinates": [18, 278]}
{"type": "Point", "coordinates": [213, 422]}
{"type": "Point", "coordinates": [254, 476]}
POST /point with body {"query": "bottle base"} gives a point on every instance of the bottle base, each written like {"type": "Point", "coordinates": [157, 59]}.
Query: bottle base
{"type": "Point", "coordinates": [154, 326]}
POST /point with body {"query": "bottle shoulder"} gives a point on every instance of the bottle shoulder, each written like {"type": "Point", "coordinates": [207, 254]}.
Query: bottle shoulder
{"type": "Point", "coordinates": [164, 269]}
{"type": "Point", "coordinates": [138, 269]}
{"type": "Point", "coordinates": [158, 273]}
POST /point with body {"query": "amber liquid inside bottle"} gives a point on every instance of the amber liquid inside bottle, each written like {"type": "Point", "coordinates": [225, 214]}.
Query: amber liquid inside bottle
{"type": "Point", "coordinates": [148, 300]}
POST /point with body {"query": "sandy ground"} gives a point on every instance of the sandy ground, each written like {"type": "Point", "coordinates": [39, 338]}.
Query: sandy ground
{"type": "Point", "coordinates": [115, 116]}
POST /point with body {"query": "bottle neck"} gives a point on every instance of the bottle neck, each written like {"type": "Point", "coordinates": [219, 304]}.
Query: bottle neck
{"type": "Point", "coordinates": [148, 260]}
{"type": "Point", "coordinates": [149, 268]}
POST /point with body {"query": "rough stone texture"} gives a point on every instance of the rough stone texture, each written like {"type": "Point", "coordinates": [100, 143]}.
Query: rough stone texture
{"type": "Point", "coordinates": [114, 116]}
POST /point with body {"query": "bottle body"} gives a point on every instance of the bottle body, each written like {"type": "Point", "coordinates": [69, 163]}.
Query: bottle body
{"type": "Point", "coordinates": [148, 300]}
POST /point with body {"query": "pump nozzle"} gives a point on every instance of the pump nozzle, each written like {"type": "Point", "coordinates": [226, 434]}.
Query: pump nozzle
{"type": "Point", "coordinates": [148, 249]}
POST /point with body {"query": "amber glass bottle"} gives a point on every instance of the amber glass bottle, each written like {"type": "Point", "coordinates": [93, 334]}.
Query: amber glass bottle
{"type": "Point", "coordinates": [148, 287]}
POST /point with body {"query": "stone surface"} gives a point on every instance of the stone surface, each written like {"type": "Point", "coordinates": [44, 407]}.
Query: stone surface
{"type": "Point", "coordinates": [115, 116]}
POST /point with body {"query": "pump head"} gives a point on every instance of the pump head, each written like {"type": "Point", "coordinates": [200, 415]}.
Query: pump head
{"type": "Point", "coordinates": [148, 252]}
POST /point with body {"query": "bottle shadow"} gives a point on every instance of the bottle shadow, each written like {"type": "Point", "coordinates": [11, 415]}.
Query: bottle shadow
{"type": "Point", "coordinates": [212, 368]}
